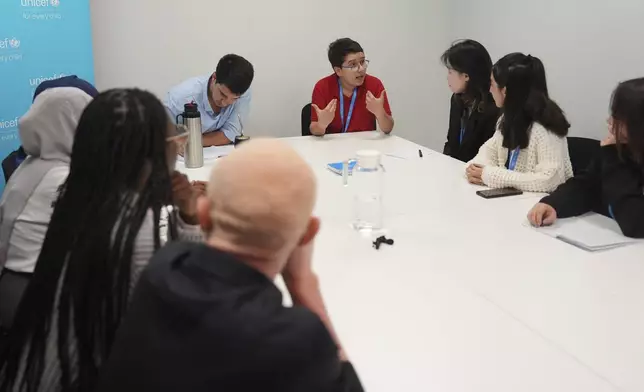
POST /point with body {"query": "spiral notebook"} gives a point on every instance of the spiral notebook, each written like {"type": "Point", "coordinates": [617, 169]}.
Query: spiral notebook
{"type": "Point", "coordinates": [336, 167]}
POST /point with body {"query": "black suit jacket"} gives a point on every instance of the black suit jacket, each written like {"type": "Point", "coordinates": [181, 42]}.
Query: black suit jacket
{"type": "Point", "coordinates": [200, 320]}
{"type": "Point", "coordinates": [610, 181]}
{"type": "Point", "coordinates": [479, 127]}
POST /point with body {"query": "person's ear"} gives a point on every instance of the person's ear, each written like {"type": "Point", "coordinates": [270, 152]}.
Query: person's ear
{"type": "Point", "coordinates": [312, 230]}
{"type": "Point", "coordinates": [203, 214]}
{"type": "Point", "coordinates": [338, 71]}
{"type": "Point", "coordinates": [504, 91]}
{"type": "Point", "coordinates": [466, 77]}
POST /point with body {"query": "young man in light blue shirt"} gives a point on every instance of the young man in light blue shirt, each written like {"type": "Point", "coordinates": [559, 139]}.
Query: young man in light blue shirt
{"type": "Point", "coordinates": [223, 98]}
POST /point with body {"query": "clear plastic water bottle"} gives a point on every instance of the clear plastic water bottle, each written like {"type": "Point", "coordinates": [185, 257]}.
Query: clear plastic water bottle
{"type": "Point", "coordinates": [366, 184]}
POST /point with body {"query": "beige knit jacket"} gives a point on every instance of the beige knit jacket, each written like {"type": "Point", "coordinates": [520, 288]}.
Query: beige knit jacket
{"type": "Point", "coordinates": [541, 167]}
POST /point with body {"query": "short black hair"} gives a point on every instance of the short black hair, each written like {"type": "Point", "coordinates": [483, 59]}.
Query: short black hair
{"type": "Point", "coordinates": [340, 48]}
{"type": "Point", "coordinates": [235, 72]}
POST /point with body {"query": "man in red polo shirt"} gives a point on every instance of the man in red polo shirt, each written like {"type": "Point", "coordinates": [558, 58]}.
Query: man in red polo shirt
{"type": "Point", "coordinates": [349, 100]}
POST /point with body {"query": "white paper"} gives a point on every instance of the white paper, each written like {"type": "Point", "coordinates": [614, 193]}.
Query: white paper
{"type": "Point", "coordinates": [213, 152]}
{"type": "Point", "coordinates": [591, 232]}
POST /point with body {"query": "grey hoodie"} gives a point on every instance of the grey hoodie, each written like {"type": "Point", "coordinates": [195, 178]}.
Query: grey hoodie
{"type": "Point", "coordinates": [47, 133]}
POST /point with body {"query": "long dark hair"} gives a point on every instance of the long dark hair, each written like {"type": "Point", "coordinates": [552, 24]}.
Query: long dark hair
{"type": "Point", "coordinates": [471, 58]}
{"type": "Point", "coordinates": [627, 110]}
{"type": "Point", "coordinates": [527, 100]}
{"type": "Point", "coordinates": [118, 172]}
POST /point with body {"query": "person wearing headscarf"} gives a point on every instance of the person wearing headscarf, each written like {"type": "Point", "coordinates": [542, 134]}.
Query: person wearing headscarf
{"type": "Point", "coordinates": [121, 192]}
{"type": "Point", "coordinates": [13, 160]}
{"type": "Point", "coordinates": [47, 133]}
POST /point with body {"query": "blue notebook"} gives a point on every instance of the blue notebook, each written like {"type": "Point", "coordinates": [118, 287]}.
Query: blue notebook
{"type": "Point", "coordinates": [336, 167]}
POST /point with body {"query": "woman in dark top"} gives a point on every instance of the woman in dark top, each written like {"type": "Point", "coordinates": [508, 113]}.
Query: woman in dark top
{"type": "Point", "coordinates": [473, 114]}
{"type": "Point", "coordinates": [614, 183]}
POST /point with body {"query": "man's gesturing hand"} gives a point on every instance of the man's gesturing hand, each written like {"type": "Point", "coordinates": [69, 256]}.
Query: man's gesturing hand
{"type": "Point", "coordinates": [326, 115]}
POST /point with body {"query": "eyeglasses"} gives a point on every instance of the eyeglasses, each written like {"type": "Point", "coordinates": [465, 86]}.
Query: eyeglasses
{"type": "Point", "coordinates": [356, 66]}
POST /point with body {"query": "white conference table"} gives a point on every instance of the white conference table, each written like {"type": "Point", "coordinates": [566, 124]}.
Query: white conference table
{"type": "Point", "coordinates": [468, 298]}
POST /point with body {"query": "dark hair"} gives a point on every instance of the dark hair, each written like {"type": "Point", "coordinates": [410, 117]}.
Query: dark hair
{"type": "Point", "coordinates": [471, 58]}
{"type": "Point", "coordinates": [118, 174]}
{"type": "Point", "coordinates": [235, 72]}
{"type": "Point", "coordinates": [340, 48]}
{"type": "Point", "coordinates": [627, 110]}
{"type": "Point", "coordinates": [527, 100]}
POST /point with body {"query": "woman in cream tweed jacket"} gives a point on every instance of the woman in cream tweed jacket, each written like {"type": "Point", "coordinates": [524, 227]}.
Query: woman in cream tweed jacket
{"type": "Point", "coordinates": [529, 150]}
{"type": "Point", "coordinates": [541, 167]}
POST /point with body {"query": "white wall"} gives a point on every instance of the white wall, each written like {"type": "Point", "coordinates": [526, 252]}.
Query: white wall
{"type": "Point", "coordinates": [154, 44]}
{"type": "Point", "coordinates": [587, 46]}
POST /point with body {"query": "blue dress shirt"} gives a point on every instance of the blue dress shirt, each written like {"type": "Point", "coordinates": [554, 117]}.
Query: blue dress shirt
{"type": "Point", "coordinates": [196, 89]}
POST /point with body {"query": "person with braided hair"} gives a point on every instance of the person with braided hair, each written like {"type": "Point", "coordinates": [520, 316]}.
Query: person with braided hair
{"type": "Point", "coordinates": [104, 228]}
{"type": "Point", "coordinates": [209, 317]}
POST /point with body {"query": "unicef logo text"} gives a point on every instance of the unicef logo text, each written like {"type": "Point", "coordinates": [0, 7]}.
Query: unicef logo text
{"type": "Point", "coordinates": [40, 3]}
{"type": "Point", "coordinates": [8, 125]}
{"type": "Point", "coordinates": [33, 82]}
{"type": "Point", "coordinates": [9, 43]}
{"type": "Point", "coordinates": [10, 50]}
{"type": "Point", "coordinates": [41, 10]}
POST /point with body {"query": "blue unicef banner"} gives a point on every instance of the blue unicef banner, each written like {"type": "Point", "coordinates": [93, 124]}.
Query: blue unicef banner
{"type": "Point", "coordinates": [39, 40]}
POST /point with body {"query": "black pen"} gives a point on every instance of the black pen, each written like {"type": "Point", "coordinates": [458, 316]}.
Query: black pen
{"type": "Point", "coordinates": [420, 153]}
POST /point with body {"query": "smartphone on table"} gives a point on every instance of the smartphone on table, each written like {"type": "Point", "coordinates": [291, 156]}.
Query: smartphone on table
{"type": "Point", "coordinates": [499, 192]}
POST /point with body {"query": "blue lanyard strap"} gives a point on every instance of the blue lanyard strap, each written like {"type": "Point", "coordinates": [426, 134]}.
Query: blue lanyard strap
{"type": "Point", "coordinates": [514, 155]}
{"type": "Point", "coordinates": [460, 140]}
{"type": "Point", "coordinates": [465, 118]}
{"type": "Point", "coordinates": [345, 127]}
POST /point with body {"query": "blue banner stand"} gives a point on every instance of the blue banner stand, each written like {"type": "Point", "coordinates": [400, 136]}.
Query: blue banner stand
{"type": "Point", "coordinates": [39, 40]}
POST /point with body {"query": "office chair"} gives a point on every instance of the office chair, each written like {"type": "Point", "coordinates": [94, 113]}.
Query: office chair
{"type": "Point", "coordinates": [306, 120]}
{"type": "Point", "coordinates": [582, 151]}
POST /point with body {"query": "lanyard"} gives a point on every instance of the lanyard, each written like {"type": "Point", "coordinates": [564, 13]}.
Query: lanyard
{"type": "Point", "coordinates": [460, 139]}
{"type": "Point", "coordinates": [345, 127]}
{"type": "Point", "coordinates": [464, 119]}
{"type": "Point", "coordinates": [610, 211]}
{"type": "Point", "coordinates": [514, 155]}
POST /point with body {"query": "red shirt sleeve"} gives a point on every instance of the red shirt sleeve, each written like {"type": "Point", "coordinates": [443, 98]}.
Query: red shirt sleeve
{"type": "Point", "coordinates": [319, 98]}
{"type": "Point", "coordinates": [379, 88]}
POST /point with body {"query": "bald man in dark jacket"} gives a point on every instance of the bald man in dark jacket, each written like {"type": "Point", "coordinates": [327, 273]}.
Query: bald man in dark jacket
{"type": "Point", "coordinates": [208, 317]}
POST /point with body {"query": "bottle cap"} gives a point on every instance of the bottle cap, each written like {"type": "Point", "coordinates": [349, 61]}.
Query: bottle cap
{"type": "Point", "coordinates": [191, 109]}
{"type": "Point", "coordinates": [368, 159]}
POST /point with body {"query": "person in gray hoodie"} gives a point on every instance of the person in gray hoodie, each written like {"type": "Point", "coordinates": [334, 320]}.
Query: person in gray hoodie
{"type": "Point", "coordinates": [47, 133]}
{"type": "Point", "coordinates": [104, 228]}
{"type": "Point", "coordinates": [13, 160]}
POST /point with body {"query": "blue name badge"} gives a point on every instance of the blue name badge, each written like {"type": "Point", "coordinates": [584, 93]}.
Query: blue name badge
{"type": "Point", "coordinates": [336, 167]}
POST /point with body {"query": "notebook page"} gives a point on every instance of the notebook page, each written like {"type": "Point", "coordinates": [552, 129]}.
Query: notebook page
{"type": "Point", "coordinates": [590, 231]}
